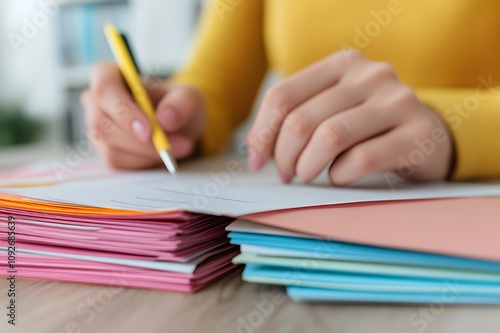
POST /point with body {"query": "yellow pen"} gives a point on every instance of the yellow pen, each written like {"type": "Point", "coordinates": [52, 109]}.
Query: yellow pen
{"type": "Point", "coordinates": [131, 74]}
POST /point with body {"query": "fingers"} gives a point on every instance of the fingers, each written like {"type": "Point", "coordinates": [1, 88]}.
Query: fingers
{"type": "Point", "coordinates": [363, 80]}
{"type": "Point", "coordinates": [121, 150]}
{"type": "Point", "coordinates": [409, 150]}
{"type": "Point", "coordinates": [96, 124]}
{"type": "Point", "coordinates": [107, 136]}
{"type": "Point", "coordinates": [393, 109]}
{"type": "Point", "coordinates": [300, 124]}
{"type": "Point", "coordinates": [115, 137]}
{"type": "Point", "coordinates": [181, 109]}
{"type": "Point", "coordinates": [282, 99]}
{"type": "Point", "coordinates": [339, 133]}
{"type": "Point", "coordinates": [376, 155]}
{"type": "Point", "coordinates": [121, 132]}
{"type": "Point", "coordinates": [120, 159]}
{"type": "Point", "coordinates": [182, 146]}
{"type": "Point", "coordinates": [113, 97]}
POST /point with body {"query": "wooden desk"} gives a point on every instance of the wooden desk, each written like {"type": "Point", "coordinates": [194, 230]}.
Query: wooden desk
{"type": "Point", "coordinates": [229, 306]}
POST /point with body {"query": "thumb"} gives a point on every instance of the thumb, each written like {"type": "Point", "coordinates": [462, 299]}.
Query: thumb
{"type": "Point", "coordinates": [181, 109]}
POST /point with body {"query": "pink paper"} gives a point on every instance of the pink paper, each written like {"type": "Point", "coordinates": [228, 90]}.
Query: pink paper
{"type": "Point", "coordinates": [467, 227]}
{"type": "Point", "coordinates": [69, 270]}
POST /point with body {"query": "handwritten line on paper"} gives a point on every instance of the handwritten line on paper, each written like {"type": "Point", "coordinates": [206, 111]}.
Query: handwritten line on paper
{"type": "Point", "coordinates": [163, 200]}
{"type": "Point", "coordinates": [132, 204]}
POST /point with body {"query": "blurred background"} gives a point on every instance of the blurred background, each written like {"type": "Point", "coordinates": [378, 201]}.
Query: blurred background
{"type": "Point", "coordinates": [47, 48]}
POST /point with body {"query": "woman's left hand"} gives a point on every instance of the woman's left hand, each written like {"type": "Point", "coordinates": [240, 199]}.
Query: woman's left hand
{"type": "Point", "coordinates": [354, 116]}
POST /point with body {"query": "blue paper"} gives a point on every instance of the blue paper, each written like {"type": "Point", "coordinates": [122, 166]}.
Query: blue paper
{"type": "Point", "coordinates": [328, 295]}
{"type": "Point", "coordinates": [325, 250]}
{"type": "Point", "coordinates": [294, 276]}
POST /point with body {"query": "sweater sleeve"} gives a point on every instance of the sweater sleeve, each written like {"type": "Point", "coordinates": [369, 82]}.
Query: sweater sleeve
{"type": "Point", "coordinates": [473, 116]}
{"type": "Point", "coordinates": [228, 64]}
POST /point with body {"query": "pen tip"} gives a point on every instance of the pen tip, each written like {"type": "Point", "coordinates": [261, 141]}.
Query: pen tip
{"type": "Point", "coordinates": [169, 161]}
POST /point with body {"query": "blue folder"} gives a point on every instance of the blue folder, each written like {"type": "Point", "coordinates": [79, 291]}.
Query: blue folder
{"type": "Point", "coordinates": [329, 295]}
{"type": "Point", "coordinates": [427, 277]}
{"type": "Point", "coordinates": [325, 249]}
{"type": "Point", "coordinates": [299, 277]}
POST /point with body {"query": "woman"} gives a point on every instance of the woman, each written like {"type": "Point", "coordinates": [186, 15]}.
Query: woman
{"type": "Point", "coordinates": [370, 86]}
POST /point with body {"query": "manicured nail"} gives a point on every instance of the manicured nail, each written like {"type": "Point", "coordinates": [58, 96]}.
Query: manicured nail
{"type": "Point", "coordinates": [254, 160]}
{"type": "Point", "coordinates": [141, 131]}
{"type": "Point", "coordinates": [284, 178]}
{"type": "Point", "coordinates": [168, 118]}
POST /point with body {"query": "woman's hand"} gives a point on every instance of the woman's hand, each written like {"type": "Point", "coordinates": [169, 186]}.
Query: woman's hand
{"type": "Point", "coordinates": [121, 132]}
{"type": "Point", "coordinates": [354, 116]}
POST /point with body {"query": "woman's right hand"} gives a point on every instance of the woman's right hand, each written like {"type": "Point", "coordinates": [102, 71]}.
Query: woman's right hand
{"type": "Point", "coordinates": [121, 132]}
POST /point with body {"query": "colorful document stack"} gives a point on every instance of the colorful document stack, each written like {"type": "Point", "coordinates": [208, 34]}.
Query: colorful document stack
{"type": "Point", "coordinates": [150, 229]}
{"type": "Point", "coordinates": [318, 269]}
{"type": "Point", "coordinates": [175, 251]}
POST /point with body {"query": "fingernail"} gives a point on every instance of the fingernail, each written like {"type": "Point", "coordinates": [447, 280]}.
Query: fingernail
{"type": "Point", "coordinates": [168, 118]}
{"type": "Point", "coordinates": [141, 131]}
{"type": "Point", "coordinates": [284, 178]}
{"type": "Point", "coordinates": [254, 160]}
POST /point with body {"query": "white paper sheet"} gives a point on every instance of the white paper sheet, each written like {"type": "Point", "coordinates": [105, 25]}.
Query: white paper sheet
{"type": "Point", "coordinates": [169, 266]}
{"type": "Point", "coordinates": [225, 186]}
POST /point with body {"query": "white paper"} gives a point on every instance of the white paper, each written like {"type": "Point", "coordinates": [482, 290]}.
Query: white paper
{"type": "Point", "coordinates": [262, 229]}
{"type": "Point", "coordinates": [225, 186]}
{"type": "Point", "coordinates": [276, 252]}
{"type": "Point", "coordinates": [169, 266]}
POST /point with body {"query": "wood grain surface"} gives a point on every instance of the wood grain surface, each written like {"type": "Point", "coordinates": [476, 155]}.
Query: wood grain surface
{"type": "Point", "coordinates": [229, 305]}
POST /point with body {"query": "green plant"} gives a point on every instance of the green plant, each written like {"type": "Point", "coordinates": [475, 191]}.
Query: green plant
{"type": "Point", "coordinates": [16, 127]}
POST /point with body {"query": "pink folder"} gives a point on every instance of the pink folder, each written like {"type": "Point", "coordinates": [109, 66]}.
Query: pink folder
{"type": "Point", "coordinates": [99, 245]}
{"type": "Point", "coordinates": [69, 270]}
{"type": "Point", "coordinates": [468, 227]}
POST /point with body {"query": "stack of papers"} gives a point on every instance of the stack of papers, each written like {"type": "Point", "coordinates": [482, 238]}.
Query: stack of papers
{"type": "Point", "coordinates": [154, 230]}
{"type": "Point", "coordinates": [175, 251]}
{"type": "Point", "coordinates": [317, 269]}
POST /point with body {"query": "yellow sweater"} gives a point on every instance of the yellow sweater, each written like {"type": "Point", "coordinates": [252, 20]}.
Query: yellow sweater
{"type": "Point", "coordinates": [447, 50]}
